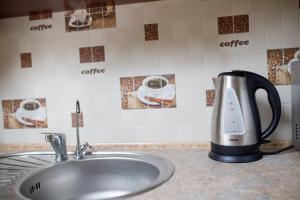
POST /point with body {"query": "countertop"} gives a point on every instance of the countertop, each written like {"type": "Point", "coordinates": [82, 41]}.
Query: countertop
{"type": "Point", "coordinates": [197, 177]}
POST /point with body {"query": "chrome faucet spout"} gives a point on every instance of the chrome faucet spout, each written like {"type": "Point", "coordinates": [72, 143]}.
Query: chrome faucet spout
{"type": "Point", "coordinates": [80, 149]}
{"type": "Point", "coordinates": [58, 143]}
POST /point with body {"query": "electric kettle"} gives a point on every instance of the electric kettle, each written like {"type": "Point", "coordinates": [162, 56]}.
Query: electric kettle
{"type": "Point", "coordinates": [236, 133]}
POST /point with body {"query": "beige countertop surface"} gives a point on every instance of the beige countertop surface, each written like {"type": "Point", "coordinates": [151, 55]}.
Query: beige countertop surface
{"type": "Point", "coordinates": [197, 177]}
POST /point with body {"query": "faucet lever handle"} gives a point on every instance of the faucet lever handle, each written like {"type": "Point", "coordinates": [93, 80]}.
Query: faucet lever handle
{"type": "Point", "coordinates": [50, 136]}
{"type": "Point", "coordinates": [54, 134]}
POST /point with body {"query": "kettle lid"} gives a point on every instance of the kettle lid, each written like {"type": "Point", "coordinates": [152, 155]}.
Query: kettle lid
{"type": "Point", "coordinates": [235, 73]}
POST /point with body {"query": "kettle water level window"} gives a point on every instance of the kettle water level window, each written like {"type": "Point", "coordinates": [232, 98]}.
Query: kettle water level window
{"type": "Point", "coordinates": [233, 119]}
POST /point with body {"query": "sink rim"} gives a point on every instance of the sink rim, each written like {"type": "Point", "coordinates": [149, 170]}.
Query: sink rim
{"type": "Point", "coordinates": [165, 167]}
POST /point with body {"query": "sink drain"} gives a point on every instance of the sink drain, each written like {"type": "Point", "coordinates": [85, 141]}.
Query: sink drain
{"type": "Point", "coordinates": [34, 188]}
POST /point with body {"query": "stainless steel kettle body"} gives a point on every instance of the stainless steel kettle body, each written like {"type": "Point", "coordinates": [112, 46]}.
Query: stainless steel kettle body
{"type": "Point", "coordinates": [236, 133]}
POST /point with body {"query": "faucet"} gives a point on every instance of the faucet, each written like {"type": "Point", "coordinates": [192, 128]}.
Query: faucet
{"type": "Point", "coordinates": [80, 149]}
{"type": "Point", "coordinates": [58, 143]}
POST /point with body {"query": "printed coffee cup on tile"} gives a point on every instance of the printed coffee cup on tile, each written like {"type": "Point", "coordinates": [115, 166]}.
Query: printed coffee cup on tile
{"type": "Point", "coordinates": [81, 15]}
{"type": "Point", "coordinates": [155, 83]}
{"type": "Point", "coordinates": [30, 107]}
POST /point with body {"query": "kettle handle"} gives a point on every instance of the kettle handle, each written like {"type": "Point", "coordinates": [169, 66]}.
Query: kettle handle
{"type": "Point", "coordinates": [255, 82]}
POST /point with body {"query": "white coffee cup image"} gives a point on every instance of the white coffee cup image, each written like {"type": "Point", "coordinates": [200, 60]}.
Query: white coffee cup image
{"type": "Point", "coordinates": [81, 15]}
{"type": "Point", "coordinates": [155, 83]}
{"type": "Point", "coordinates": [30, 108]}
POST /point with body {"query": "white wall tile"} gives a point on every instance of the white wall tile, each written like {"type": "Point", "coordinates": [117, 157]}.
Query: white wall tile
{"type": "Point", "coordinates": [227, 61]}
{"type": "Point", "coordinates": [273, 5]}
{"type": "Point", "coordinates": [291, 37]}
{"type": "Point", "coordinates": [274, 39]}
{"type": "Point", "coordinates": [209, 9]}
{"type": "Point", "coordinates": [225, 8]}
{"type": "Point", "coordinates": [210, 27]}
{"type": "Point", "coordinates": [273, 21]}
{"type": "Point", "coordinates": [243, 60]}
{"type": "Point", "coordinates": [257, 22]}
{"type": "Point", "coordinates": [195, 28]}
{"type": "Point", "coordinates": [180, 29]}
{"type": "Point", "coordinates": [180, 11]}
{"type": "Point", "coordinates": [211, 44]}
{"type": "Point", "coordinates": [195, 63]}
{"type": "Point", "coordinates": [290, 19]}
{"type": "Point", "coordinates": [257, 6]}
{"type": "Point", "coordinates": [290, 5]}
{"type": "Point", "coordinates": [259, 63]}
{"type": "Point", "coordinates": [122, 16]}
{"type": "Point", "coordinates": [258, 40]}
{"type": "Point", "coordinates": [180, 64]}
{"type": "Point", "coordinates": [194, 9]}
{"type": "Point", "coordinates": [150, 13]}
{"type": "Point", "coordinates": [135, 15]}
{"type": "Point", "coordinates": [191, 133]}
{"type": "Point", "coordinates": [165, 13]}
{"type": "Point", "coordinates": [240, 7]}
{"type": "Point", "coordinates": [185, 116]}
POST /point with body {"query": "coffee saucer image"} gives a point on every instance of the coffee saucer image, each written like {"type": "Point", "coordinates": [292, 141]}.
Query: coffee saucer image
{"type": "Point", "coordinates": [166, 93]}
{"type": "Point", "coordinates": [39, 115]}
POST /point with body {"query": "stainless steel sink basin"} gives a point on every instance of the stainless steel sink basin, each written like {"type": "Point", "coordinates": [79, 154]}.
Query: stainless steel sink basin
{"type": "Point", "coordinates": [107, 176]}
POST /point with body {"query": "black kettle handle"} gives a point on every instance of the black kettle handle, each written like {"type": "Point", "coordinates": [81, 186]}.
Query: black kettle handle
{"type": "Point", "coordinates": [255, 82]}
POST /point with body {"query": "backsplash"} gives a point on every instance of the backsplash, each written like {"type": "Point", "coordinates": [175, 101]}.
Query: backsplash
{"type": "Point", "coordinates": [142, 72]}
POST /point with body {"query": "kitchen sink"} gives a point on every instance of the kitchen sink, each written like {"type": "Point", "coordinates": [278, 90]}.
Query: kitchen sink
{"type": "Point", "coordinates": [103, 176]}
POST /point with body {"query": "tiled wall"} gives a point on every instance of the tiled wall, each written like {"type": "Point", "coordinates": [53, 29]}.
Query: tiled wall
{"type": "Point", "coordinates": [187, 41]}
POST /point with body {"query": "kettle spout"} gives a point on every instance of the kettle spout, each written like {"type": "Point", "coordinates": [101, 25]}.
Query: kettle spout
{"type": "Point", "coordinates": [215, 81]}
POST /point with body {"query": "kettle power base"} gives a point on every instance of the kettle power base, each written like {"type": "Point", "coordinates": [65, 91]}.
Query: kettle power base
{"type": "Point", "coordinates": [235, 159]}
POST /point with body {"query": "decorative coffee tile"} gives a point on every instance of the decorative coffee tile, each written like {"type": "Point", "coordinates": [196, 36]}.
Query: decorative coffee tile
{"type": "Point", "coordinates": [98, 54]}
{"type": "Point", "coordinates": [109, 6]}
{"type": "Point", "coordinates": [34, 15]}
{"type": "Point", "coordinates": [283, 77]}
{"type": "Point", "coordinates": [124, 101]}
{"type": "Point", "coordinates": [46, 14]}
{"type": "Point", "coordinates": [225, 25]}
{"type": "Point", "coordinates": [126, 84]}
{"type": "Point", "coordinates": [138, 82]}
{"type": "Point", "coordinates": [40, 14]}
{"type": "Point", "coordinates": [210, 97]}
{"type": "Point", "coordinates": [69, 28]}
{"type": "Point", "coordinates": [241, 23]}
{"type": "Point", "coordinates": [85, 54]}
{"type": "Point", "coordinates": [277, 61]}
{"type": "Point", "coordinates": [73, 21]}
{"type": "Point", "coordinates": [84, 28]}
{"type": "Point", "coordinates": [109, 19]}
{"type": "Point", "coordinates": [97, 21]}
{"type": "Point", "coordinates": [103, 16]}
{"type": "Point", "coordinates": [275, 57]}
{"type": "Point", "coordinates": [148, 92]}
{"type": "Point", "coordinates": [289, 54]}
{"type": "Point", "coordinates": [74, 119]}
{"type": "Point", "coordinates": [274, 60]}
{"type": "Point", "coordinates": [127, 97]}
{"type": "Point", "coordinates": [69, 13]}
{"type": "Point", "coordinates": [95, 10]}
{"type": "Point", "coordinates": [26, 61]}
{"type": "Point", "coordinates": [151, 32]}
{"type": "Point", "coordinates": [24, 113]}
